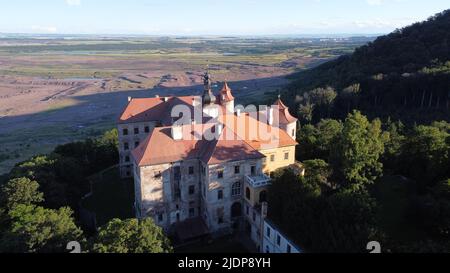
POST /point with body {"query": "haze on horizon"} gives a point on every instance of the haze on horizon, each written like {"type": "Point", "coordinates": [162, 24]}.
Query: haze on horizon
{"type": "Point", "coordinates": [213, 17]}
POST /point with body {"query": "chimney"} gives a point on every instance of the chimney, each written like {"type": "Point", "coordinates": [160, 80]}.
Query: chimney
{"type": "Point", "coordinates": [129, 99]}
{"type": "Point", "coordinates": [166, 99]}
{"type": "Point", "coordinates": [270, 116]}
{"type": "Point", "coordinates": [238, 112]}
{"type": "Point", "coordinates": [177, 132]}
{"type": "Point", "coordinates": [157, 96]}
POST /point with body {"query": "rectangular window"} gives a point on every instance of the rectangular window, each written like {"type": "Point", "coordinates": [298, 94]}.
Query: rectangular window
{"type": "Point", "coordinates": [220, 195]}
{"type": "Point", "coordinates": [136, 144]}
{"type": "Point", "coordinates": [136, 131]}
{"type": "Point", "coordinates": [286, 156]}
{"type": "Point", "coordinates": [254, 216]}
{"type": "Point", "coordinates": [191, 170]}
{"type": "Point", "coordinates": [191, 213]}
{"type": "Point", "coordinates": [147, 129]}
{"type": "Point", "coordinates": [237, 169]}
{"type": "Point", "coordinates": [191, 190]}
{"type": "Point", "coordinates": [268, 232]}
{"type": "Point", "coordinates": [247, 209]}
{"type": "Point", "coordinates": [126, 146]}
{"type": "Point", "coordinates": [293, 132]}
{"type": "Point", "coordinates": [127, 159]}
{"type": "Point", "coordinates": [220, 220]}
{"type": "Point", "coordinates": [278, 240]}
{"type": "Point", "coordinates": [160, 217]}
{"type": "Point", "coordinates": [220, 174]}
{"type": "Point", "coordinates": [272, 158]}
{"type": "Point", "coordinates": [125, 132]}
{"type": "Point", "coordinates": [253, 170]}
{"type": "Point", "coordinates": [288, 249]}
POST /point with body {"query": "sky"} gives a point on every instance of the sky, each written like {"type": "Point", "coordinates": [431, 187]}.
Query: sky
{"type": "Point", "coordinates": [213, 17]}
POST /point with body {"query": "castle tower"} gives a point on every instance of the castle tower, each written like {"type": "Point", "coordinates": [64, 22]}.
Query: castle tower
{"type": "Point", "coordinates": [210, 108]}
{"type": "Point", "coordinates": [208, 96]}
{"type": "Point", "coordinates": [284, 119]}
{"type": "Point", "coordinates": [226, 98]}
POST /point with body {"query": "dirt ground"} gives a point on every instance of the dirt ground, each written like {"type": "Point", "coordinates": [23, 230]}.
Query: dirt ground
{"type": "Point", "coordinates": [38, 113]}
{"type": "Point", "coordinates": [56, 91]}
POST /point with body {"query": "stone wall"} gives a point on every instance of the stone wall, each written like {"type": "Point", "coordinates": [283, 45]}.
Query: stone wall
{"type": "Point", "coordinates": [218, 212]}
{"type": "Point", "coordinates": [144, 130]}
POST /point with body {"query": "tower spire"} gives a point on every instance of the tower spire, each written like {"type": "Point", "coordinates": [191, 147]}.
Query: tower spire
{"type": "Point", "coordinates": [208, 96]}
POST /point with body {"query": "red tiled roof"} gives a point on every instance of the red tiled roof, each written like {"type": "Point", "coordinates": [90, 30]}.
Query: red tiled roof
{"type": "Point", "coordinates": [223, 150]}
{"type": "Point", "coordinates": [257, 134]}
{"type": "Point", "coordinates": [242, 136]}
{"type": "Point", "coordinates": [160, 147]}
{"type": "Point", "coordinates": [225, 94]}
{"type": "Point", "coordinates": [154, 109]}
{"type": "Point", "coordinates": [284, 115]}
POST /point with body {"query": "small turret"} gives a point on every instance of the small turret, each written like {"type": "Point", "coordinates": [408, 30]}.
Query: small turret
{"type": "Point", "coordinates": [226, 98]}
{"type": "Point", "coordinates": [284, 119]}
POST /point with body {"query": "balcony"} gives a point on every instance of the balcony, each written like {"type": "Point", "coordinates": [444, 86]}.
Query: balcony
{"type": "Point", "coordinates": [258, 180]}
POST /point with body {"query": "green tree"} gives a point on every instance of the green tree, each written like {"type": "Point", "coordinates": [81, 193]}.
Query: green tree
{"type": "Point", "coordinates": [306, 112]}
{"type": "Point", "coordinates": [334, 221]}
{"type": "Point", "coordinates": [39, 230]}
{"type": "Point", "coordinates": [323, 99]}
{"type": "Point", "coordinates": [393, 145]}
{"type": "Point", "coordinates": [315, 142]}
{"type": "Point", "coordinates": [317, 172]}
{"type": "Point", "coordinates": [351, 95]}
{"type": "Point", "coordinates": [20, 191]}
{"type": "Point", "coordinates": [425, 156]}
{"type": "Point", "coordinates": [131, 236]}
{"type": "Point", "coordinates": [356, 156]}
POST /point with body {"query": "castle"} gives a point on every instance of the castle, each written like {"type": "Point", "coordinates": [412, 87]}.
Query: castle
{"type": "Point", "coordinates": [201, 164]}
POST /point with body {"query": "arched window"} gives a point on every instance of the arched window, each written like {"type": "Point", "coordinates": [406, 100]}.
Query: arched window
{"type": "Point", "coordinates": [262, 196]}
{"type": "Point", "coordinates": [236, 189]}
{"type": "Point", "coordinates": [247, 193]}
{"type": "Point", "coordinates": [236, 210]}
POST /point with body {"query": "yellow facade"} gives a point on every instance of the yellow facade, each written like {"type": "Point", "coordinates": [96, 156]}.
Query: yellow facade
{"type": "Point", "coordinates": [276, 158]}
{"type": "Point", "coordinates": [255, 194]}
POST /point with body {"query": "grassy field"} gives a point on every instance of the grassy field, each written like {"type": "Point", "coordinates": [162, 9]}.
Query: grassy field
{"type": "Point", "coordinates": [112, 197]}
{"type": "Point", "coordinates": [111, 57]}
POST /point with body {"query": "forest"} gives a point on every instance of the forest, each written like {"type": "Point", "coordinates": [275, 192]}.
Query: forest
{"type": "Point", "coordinates": [375, 142]}
{"type": "Point", "coordinates": [39, 205]}
{"type": "Point", "coordinates": [367, 181]}
{"type": "Point", "coordinates": [404, 75]}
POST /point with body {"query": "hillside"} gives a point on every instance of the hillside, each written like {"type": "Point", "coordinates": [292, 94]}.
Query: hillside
{"type": "Point", "coordinates": [405, 74]}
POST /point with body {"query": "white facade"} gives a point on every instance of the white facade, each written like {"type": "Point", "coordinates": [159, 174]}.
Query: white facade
{"type": "Point", "coordinates": [276, 242]}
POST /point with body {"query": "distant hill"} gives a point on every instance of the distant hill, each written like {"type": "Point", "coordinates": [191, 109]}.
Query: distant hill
{"type": "Point", "coordinates": [405, 74]}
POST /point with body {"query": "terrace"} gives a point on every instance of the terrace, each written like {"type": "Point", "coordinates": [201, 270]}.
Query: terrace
{"type": "Point", "coordinates": [258, 180]}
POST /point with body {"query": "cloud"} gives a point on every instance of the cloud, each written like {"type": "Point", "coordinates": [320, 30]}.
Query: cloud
{"type": "Point", "coordinates": [49, 29]}
{"type": "Point", "coordinates": [73, 2]}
